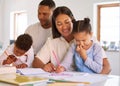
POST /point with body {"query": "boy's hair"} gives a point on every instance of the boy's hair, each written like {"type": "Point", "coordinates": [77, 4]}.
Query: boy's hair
{"type": "Point", "coordinates": [24, 42]}
{"type": "Point", "coordinates": [49, 3]}
{"type": "Point", "coordinates": [60, 10]}
{"type": "Point", "coordinates": [82, 25]}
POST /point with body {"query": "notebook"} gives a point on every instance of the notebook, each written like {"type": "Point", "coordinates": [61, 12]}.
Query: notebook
{"type": "Point", "coordinates": [7, 69]}
{"type": "Point", "coordinates": [18, 79]}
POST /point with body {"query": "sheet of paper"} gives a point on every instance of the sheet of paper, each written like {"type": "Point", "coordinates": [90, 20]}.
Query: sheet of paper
{"type": "Point", "coordinates": [7, 69]}
{"type": "Point", "coordinates": [75, 77]}
{"type": "Point", "coordinates": [31, 71]}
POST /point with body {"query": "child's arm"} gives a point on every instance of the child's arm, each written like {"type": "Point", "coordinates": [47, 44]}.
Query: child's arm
{"type": "Point", "coordinates": [96, 64]}
{"type": "Point", "coordinates": [29, 57]}
{"type": "Point", "coordinates": [10, 59]}
{"type": "Point", "coordinates": [82, 52]}
{"type": "Point", "coordinates": [67, 62]}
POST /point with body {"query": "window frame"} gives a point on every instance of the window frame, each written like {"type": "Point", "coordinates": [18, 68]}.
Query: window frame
{"type": "Point", "coordinates": [99, 18]}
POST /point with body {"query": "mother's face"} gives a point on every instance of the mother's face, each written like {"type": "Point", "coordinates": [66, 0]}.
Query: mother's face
{"type": "Point", "coordinates": [64, 24]}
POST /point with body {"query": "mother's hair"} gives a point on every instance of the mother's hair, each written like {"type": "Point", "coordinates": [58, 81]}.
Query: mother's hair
{"type": "Point", "coordinates": [56, 12]}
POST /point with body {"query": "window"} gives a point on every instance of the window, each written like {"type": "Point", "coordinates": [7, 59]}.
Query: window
{"type": "Point", "coordinates": [18, 24]}
{"type": "Point", "coordinates": [108, 26]}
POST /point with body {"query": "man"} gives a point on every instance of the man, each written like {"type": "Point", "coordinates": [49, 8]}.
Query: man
{"type": "Point", "coordinates": [41, 30]}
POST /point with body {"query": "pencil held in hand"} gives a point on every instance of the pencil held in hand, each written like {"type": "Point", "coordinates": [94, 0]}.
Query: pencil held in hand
{"type": "Point", "coordinates": [56, 58]}
{"type": "Point", "coordinates": [10, 59]}
{"type": "Point", "coordinates": [60, 69]}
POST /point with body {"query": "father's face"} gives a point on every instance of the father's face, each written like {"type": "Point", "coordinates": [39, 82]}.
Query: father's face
{"type": "Point", "coordinates": [44, 15]}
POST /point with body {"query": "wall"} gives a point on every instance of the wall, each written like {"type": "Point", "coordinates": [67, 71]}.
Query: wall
{"type": "Point", "coordinates": [80, 9]}
{"type": "Point", "coordinates": [114, 59]}
{"type": "Point", "coordinates": [1, 16]}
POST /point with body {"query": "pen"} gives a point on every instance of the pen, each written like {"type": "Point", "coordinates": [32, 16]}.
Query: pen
{"type": "Point", "coordinates": [6, 53]}
{"type": "Point", "coordinates": [57, 60]}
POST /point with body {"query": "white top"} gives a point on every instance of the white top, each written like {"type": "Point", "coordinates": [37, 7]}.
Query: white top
{"type": "Point", "coordinates": [58, 45]}
{"type": "Point", "coordinates": [27, 58]}
{"type": "Point", "coordinates": [39, 35]}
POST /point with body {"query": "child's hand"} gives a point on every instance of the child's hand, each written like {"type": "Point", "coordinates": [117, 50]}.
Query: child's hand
{"type": "Point", "coordinates": [60, 69]}
{"type": "Point", "coordinates": [10, 59]}
{"type": "Point", "coordinates": [49, 67]}
{"type": "Point", "coordinates": [82, 52]}
{"type": "Point", "coordinates": [23, 65]}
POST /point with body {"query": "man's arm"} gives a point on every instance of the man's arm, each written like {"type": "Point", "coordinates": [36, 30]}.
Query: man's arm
{"type": "Point", "coordinates": [37, 63]}
{"type": "Point", "coordinates": [106, 67]}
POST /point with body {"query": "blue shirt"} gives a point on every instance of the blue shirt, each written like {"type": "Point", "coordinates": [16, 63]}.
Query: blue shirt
{"type": "Point", "coordinates": [93, 63]}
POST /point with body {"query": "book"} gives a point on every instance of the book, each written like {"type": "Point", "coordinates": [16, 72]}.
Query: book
{"type": "Point", "coordinates": [18, 79]}
{"type": "Point", "coordinates": [7, 69]}
{"type": "Point", "coordinates": [30, 71]}
{"type": "Point", "coordinates": [66, 84]}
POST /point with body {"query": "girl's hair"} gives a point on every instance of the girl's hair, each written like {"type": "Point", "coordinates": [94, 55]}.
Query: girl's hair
{"type": "Point", "coordinates": [82, 25]}
{"type": "Point", "coordinates": [49, 3]}
{"type": "Point", "coordinates": [24, 42]}
{"type": "Point", "coordinates": [56, 12]}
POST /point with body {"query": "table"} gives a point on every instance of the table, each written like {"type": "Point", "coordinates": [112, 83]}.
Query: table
{"type": "Point", "coordinates": [112, 80]}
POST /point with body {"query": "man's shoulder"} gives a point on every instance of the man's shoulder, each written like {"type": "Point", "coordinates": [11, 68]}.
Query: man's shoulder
{"type": "Point", "coordinates": [34, 25]}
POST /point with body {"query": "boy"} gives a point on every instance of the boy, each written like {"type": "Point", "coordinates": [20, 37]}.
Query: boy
{"type": "Point", "coordinates": [20, 54]}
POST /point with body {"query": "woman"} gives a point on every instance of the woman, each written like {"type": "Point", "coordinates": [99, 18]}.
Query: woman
{"type": "Point", "coordinates": [54, 50]}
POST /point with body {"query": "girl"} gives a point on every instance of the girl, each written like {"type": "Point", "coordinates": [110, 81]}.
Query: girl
{"type": "Point", "coordinates": [86, 54]}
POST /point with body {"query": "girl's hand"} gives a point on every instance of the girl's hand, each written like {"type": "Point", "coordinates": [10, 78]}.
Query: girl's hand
{"type": "Point", "coordinates": [82, 52]}
{"type": "Point", "coordinates": [49, 67]}
{"type": "Point", "coordinates": [23, 65]}
{"type": "Point", "coordinates": [60, 69]}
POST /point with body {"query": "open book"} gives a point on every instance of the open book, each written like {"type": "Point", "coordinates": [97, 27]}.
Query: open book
{"type": "Point", "coordinates": [17, 79]}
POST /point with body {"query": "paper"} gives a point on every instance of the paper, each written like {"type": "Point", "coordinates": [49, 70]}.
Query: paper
{"type": "Point", "coordinates": [84, 78]}
{"type": "Point", "coordinates": [20, 79]}
{"type": "Point", "coordinates": [7, 69]}
{"type": "Point", "coordinates": [31, 71]}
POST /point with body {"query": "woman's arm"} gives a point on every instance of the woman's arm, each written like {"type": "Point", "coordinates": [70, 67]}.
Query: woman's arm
{"type": "Point", "coordinates": [37, 63]}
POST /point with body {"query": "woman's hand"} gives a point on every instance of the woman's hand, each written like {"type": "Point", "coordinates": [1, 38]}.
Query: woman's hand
{"type": "Point", "coordinates": [60, 69]}
{"type": "Point", "coordinates": [49, 67]}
